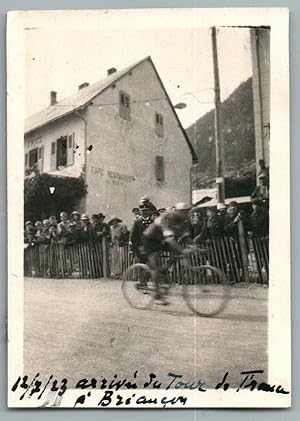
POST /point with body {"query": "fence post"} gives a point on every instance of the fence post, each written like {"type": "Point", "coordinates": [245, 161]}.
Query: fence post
{"type": "Point", "coordinates": [244, 249]}
{"type": "Point", "coordinates": [104, 254]}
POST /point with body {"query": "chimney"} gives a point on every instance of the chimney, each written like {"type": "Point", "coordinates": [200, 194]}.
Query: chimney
{"type": "Point", "coordinates": [111, 71]}
{"type": "Point", "coordinates": [53, 99]}
{"type": "Point", "coordinates": [83, 85]}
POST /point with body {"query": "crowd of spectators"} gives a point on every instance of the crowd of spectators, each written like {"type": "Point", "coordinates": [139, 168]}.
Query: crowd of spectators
{"type": "Point", "coordinates": [202, 224]}
{"type": "Point", "coordinates": [69, 230]}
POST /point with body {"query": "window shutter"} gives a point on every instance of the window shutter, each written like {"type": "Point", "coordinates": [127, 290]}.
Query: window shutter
{"type": "Point", "coordinates": [53, 156]}
{"type": "Point", "coordinates": [40, 161]}
{"type": "Point", "coordinates": [124, 106]}
{"type": "Point", "coordinates": [70, 150]}
{"type": "Point", "coordinates": [159, 168]}
{"type": "Point", "coordinates": [159, 125]}
{"type": "Point", "coordinates": [26, 161]}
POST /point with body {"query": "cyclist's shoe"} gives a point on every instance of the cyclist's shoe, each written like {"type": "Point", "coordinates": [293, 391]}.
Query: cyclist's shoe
{"type": "Point", "coordinates": [161, 299]}
{"type": "Point", "coordinates": [163, 303]}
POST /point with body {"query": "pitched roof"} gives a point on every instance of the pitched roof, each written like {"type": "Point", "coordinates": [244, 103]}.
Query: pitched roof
{"type": "Point", "coordinates": [75, 101]}
{"type": "Point", "coordinates": [83, 96]}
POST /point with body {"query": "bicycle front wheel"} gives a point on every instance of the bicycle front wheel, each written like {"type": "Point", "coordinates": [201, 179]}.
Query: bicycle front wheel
{"type": "Point", "coordinates": [206, 291]}
{"type": "Point", "coordinates": [138, 286]}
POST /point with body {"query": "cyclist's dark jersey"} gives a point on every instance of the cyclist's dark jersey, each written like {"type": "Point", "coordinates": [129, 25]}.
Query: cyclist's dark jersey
{"type": "Point", "coordinates": [167, 225]}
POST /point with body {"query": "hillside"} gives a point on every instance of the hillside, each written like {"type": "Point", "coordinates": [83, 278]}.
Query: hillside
{"type": "Point", "coordinates": [239, 142]}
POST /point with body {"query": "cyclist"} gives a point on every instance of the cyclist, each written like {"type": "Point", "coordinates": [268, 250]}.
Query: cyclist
{"type": "Point", "coordinates": [161, 235]}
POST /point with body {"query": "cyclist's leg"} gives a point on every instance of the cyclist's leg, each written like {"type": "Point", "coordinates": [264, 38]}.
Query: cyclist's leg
{"type": "Point", "coordinates": [143, 258]}
{"type": "Point", "coordinates": [154, 262]}
{"type": "Point", "coordinates": [155, 265]}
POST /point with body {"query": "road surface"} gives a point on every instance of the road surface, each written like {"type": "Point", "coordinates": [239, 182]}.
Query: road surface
{"type": "Point", "coordinates": [84, 328]}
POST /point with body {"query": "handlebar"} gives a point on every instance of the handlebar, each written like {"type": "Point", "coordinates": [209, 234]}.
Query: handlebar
{"type": "Point", "coordinates": [194, 250]}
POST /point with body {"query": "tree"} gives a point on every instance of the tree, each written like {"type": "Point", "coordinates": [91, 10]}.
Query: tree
{"type": "Point", "coordinates": [39, 203]}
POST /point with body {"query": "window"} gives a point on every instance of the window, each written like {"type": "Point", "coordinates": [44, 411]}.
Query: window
{"type": "Point", "coordinates": [33, 158]}
{"type": "Point", "coordinates": [124, 106]}
{"type": "Point", "coordinates": [26, 160]}
{"type": "Point", "coordinates": [61, 152]}
{"type": "Point", "coordinates": [159, 168]}
{"type": "Point", "coordinates": [159, 125]}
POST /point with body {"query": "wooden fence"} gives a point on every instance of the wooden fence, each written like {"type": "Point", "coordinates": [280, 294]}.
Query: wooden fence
{"type": "Point", "coordinates": [240, 261]}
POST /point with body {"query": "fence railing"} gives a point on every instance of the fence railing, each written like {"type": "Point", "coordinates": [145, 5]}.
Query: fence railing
{"type": "Point", "coordinates": [247, 261]}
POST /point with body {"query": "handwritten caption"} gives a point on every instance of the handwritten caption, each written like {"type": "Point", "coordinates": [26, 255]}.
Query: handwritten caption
{"type": "Point", "coordinates": [110, 390]}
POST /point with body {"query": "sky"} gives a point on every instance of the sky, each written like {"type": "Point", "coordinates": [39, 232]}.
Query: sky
{"type": "Point", "coordinates": [60, 59]}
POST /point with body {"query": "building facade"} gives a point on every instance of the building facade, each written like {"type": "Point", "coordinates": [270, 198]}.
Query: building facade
{"type": "Point", "coordinates": [122, 135]}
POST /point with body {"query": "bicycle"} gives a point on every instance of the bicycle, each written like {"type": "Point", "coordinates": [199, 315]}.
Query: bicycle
{"type": "Point", "coordinates": [204, 288]}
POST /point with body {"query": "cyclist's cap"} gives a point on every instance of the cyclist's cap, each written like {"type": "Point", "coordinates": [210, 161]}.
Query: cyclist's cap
{"type": "Point", "coordinates": [28, 223]}
{"type": "Point", "coordinates": [233, 203]}
{"type": "Point", "coordinates": [145, 198]}
{"type": "Point", "coordinates": [133, 210]}
{"type": "Point", "coordinates": [182, 206]}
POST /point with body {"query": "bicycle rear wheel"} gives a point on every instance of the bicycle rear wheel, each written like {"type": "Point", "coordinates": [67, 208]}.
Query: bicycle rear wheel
{"type": "Point", "coordinates": [206, 291]}
{"type": "Point", "coordinates": [138, 286]}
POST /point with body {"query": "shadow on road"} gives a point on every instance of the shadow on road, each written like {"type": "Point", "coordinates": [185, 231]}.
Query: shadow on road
{"type": "Point", "coordinates": [222, 316]}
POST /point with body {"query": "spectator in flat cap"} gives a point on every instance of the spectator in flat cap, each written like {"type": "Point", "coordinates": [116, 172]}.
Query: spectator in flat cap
{"type": "Point", "coordinates": [54, 238]}
{"type": "Point", "coordinates": [261, 192]}
{"type": "Point", "coordinates": [212, 226]}
{"type": "Point", "coordinates": [196, 222]}
{"type": "Point", "coordinates": [136, 213]}
{"type": "Point", "coordinates": [231, 219]}
{"type": "Point", "coordinates": [136, 233]}
{"type": "Point", "coordinates": [259, 220]}
{"type": "Point", "coordinates": [101, 229]}
{"type": "Point", "coordinates": [87, 233]}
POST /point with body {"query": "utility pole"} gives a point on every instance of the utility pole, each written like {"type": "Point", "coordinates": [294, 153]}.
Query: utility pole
{"type": "Point", "coordinates": [218, 124]}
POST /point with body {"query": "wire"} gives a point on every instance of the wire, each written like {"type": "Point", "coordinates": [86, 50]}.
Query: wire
{"type": "Point", "coordinates": [135, 101]}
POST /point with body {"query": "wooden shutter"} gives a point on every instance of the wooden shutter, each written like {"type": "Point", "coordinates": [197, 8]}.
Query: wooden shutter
{"type": "Point", "coordinates": [70, 150]}
{"type": "Point", "coordinates": [124, 106]}
{"type": "Point", "coordinates": [159, 125]}
{"type": "Point", "coordinates": [26, 160]}
{"type": "Point", "coordinates": [53, 156]}
{"type": "Point", "coordinates": [40, 162]}
{"type": "Point", "coordinates": [159, 168]}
